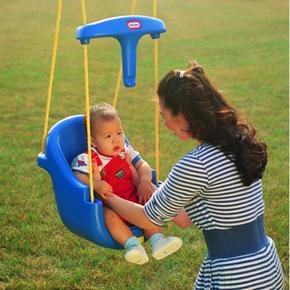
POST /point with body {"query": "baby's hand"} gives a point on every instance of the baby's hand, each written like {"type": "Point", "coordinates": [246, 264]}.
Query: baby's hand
{"type": "Point", "coordinates": [145, 190]}
{"type": "Point", "coordinates": [103, 189]}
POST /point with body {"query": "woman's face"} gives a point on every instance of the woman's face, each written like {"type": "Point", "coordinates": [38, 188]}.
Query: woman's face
{"type": "Point", "coordinates": [177, 124]}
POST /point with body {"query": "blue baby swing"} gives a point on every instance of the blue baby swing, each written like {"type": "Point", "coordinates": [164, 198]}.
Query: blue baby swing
{"type": "Point", "coordinates": [79, 210]}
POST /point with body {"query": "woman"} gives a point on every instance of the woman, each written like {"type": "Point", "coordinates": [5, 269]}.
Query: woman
{"type": "Point", "coordinates": [217, 186]}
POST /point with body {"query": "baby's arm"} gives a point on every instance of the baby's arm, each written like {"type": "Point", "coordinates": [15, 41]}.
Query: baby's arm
{"type": "Point", "coordinates": [145, 187]}
{"type": "Point", "coordinates": [101, 187]}
{"type": "Point", "coordinates": [135, 175]}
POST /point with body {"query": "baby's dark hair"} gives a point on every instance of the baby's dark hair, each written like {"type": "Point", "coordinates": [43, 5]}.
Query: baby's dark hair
{"type": "Point", "coordinates": [102, 111]}
{"type": "Point", "coordinates": [211, 119]}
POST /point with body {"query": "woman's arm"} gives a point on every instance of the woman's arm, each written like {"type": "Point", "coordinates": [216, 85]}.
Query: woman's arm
{"type": "Point", "coordinates": [132, 212]}
{"type": "Point", "coordinates": [135, 214]}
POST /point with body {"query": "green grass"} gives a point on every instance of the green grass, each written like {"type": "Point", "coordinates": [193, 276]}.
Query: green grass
{"type": "Point", "coordinates": [243, 46]}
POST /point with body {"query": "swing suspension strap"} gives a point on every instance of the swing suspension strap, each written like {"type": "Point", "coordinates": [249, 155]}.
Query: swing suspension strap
{"type": "Point", "coordinates": [156, 110]}
{"type": "Point", "coordinates": [87, 106]}
{"type": "Point", "coordinates": [51, 76]}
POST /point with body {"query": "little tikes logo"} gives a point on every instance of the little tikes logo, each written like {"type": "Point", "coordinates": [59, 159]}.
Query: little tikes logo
{"type": "Point", "coordinates": [134, 24]}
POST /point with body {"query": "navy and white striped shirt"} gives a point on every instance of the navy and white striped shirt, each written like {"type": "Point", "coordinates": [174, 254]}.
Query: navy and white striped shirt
{"type": "Point", "coordinates": [208, 185]}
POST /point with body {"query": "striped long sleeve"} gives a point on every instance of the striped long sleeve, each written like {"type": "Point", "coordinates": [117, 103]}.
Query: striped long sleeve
{"type": "Point", "coordinates": [184, 182]}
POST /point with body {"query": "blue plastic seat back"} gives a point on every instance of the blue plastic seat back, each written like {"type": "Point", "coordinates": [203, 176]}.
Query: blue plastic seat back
{"type": "Point", "coordinates": [72, 138]}
{"type": "Point", "coordinates": [66, 140]}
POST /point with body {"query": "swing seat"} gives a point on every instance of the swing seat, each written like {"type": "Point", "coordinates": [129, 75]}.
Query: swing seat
{"type": "Point", "coordinates": [65, 140]}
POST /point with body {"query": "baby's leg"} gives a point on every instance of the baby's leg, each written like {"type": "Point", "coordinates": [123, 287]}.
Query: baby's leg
{"type": "Point", "coordinates": [116, 226]}
{"type": "Point", "coordinates": [149, 233]}
{"type": "Point", "coordinates": [122, 234]}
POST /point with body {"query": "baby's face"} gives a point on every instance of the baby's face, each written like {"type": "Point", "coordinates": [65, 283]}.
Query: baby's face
{"type": "Point", "coordinates": [108, 137]}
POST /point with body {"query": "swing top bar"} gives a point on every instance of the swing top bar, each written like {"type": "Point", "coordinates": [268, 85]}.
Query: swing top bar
{"type": "Point", "coordinates": [122, 26]}
{"type": "Point", "coordinates": [127, 30]}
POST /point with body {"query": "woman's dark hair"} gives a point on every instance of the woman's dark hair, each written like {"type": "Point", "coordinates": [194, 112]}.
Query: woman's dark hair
{"type": "Point", "coordinates": [211, 119]}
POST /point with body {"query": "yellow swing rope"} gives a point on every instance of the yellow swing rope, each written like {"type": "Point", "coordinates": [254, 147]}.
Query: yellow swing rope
{"type": "Point", "coordinates": [87, 106]}
{"type": "Point", "coordinates": [119, 79]}
{"type": "Point", "coordinates": [156, 97]}
{"type": "Point", "coordinates": [51, 76]}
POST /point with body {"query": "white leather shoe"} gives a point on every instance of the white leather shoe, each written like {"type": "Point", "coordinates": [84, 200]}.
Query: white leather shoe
{"type": "Point", "coordinates": [165, 247]}
{"type": "Point", "coordinates": [137, 255]}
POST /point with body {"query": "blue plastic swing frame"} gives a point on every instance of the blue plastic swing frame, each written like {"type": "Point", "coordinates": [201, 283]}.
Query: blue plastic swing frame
{"type": "Point", "coordinates": [65, 140]}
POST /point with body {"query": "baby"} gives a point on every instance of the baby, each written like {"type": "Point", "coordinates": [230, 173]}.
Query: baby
{"type": "Point", "coordinates": [118, 169]}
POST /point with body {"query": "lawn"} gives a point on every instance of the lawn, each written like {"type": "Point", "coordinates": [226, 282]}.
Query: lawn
{"type": "Point", "coordinates": [243, 46]}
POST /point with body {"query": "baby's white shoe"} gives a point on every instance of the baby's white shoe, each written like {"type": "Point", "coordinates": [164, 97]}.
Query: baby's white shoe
{"type": "Point", "coordinates": [137, 255]}
{"type": "Point", "coordinates": [165, 247]}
